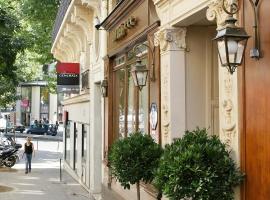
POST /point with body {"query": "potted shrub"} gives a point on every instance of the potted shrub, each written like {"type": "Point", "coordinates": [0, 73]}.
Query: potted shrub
{"type": "Point", "coordinates": [197, 167]}
{"type": "Point", "coordinates": [134, 159]}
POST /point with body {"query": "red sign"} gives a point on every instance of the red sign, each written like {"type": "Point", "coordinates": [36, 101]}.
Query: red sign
{"type": "Point", "coordinates": [68, 68]}
{"type": "Point", "coordinates": [25, 103]}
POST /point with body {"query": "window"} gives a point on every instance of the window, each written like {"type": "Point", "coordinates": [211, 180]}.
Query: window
{"type": "Point", "coordinates": [26, 94]}
{"type": "Point", "coordinates": [84, 141]}
{"type": "Point", "coordinates": [75, 148]}
{"type": "Point", "coordinates": [67, 142]}
{"type": "Point", "coordinates": [44, 103]}
{"type": "Point", "coordinates": [130, 104]}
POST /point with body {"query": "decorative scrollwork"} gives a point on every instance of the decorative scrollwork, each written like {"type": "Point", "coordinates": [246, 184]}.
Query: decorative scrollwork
{"type": "Point", "coordinates": [234, 8]}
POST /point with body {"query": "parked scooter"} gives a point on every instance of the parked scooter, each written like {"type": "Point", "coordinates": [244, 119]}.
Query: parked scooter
{"type": "Point", "coordinates": [8, 153]}
{"type": "Point", "coordinates": [8, 157]}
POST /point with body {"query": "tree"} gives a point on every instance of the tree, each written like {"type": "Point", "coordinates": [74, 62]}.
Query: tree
{"type": "Point", "coordinates": [134, 159]}
{"type": "Point", "coordinates": [197, 167]}
{"type": "Point", "coordinates": [10, 45]}
{"type": "Point", "coordinates": [38, 19]}
{"type": "Point", "coordinates": [25, 42]}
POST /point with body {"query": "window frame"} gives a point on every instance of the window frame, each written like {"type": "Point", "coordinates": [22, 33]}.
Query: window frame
{"type": "Point", "coordinates": [126, 66]}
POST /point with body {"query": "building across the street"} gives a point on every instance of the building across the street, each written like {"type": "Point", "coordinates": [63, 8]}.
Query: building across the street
{"type": "Point", "coordinates": [35, 103]}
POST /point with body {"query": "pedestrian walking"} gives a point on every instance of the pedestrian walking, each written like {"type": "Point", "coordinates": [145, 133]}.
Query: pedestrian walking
{"type": "Point", "coordinates": [28, 151]}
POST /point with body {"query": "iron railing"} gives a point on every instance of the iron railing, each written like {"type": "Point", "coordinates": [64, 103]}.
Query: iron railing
{"type": "Point", "coordinates": [64, 4]}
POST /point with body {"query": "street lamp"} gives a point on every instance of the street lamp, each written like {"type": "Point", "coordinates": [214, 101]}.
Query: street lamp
{"type": "Point", "coordinates": [140, 71]}
{"type": "Point", "coordinates": [231, 41]}
{"type": "Point", "coordinates": [139, 74]}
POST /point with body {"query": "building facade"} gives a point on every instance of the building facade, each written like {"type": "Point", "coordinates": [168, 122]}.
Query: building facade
{"type": "Point", "coordinates": [130, 27]}
{"type": "Point", "coordinates": [197, 91]}
{"type": "Point", "coordinates": [75, 40]}
{"type": "Point", "coordinates": [187, 86]}
{"type": "Point", "coordinates": [36, 103]}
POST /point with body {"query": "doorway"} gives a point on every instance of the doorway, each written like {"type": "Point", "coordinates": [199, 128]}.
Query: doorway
{"type": "Point", "coordinates": [202, 85]}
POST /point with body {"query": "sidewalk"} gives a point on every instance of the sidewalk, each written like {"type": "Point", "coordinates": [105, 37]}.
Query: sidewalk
{"type": "Point", "coordinates": [43, 182]}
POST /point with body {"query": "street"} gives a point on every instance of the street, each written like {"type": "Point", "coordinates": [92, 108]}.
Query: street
{"type": "Point", "coordinates": [43, 182]}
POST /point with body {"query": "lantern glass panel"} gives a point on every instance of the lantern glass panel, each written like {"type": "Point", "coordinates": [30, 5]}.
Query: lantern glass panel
{"type": "Point", "coordinates": [142, 77]}
{"type": "Point", "coordinates": [235, 50]}
{"type": "Point", "coordinates": [134, 77]}
{"type": "Point", "coordinates": [222, 52]}
{"type": "Point", "coordinates": [240, 51]}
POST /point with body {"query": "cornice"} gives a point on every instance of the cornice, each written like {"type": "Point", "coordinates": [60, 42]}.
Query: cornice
{"type": "Point", "coordinates": [160, 3]}
{"type": "Point", "coordinates": [120, 11]}
{"type": "Point", "coordinates": [83, 98]}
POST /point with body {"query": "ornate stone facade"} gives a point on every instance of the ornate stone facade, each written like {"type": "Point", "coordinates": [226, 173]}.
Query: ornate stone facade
{"type": "Point", "coordinates": [172, 45]}
{"type": "Point", "coordinates": [228, 84]}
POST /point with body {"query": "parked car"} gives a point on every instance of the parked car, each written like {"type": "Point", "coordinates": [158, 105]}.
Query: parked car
{"type": "Point", "coordinates": [19, 128]}
{"type": "Point", "coordinates": [38, 129]}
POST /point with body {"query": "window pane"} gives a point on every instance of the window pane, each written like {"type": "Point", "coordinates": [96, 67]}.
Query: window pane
{"type": "Point", "coordinates": [67, 142]}
{"type": "Point", "coordinates": [131, 113]}
{"type": "Point", "coordinates": [44, 103]}
{"type": "Point", "coordinates": [143, 107]}
{"type": "Point", "coordinates": [84, 141]}
{"type": "Point", "coordinates": [119, 105]}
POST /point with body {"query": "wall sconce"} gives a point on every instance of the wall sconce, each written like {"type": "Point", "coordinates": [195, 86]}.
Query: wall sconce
{"type": "Point", "coordinates": [140, 71]}
{"type": "Point", "coordinates": [231, 40]}
{"type": "Point", "coordinates": [97, 23]}
{"type": "Point", "coordinates": [139, 74]}
{"type": "Point", "coordinates": [255, 52]}
{"type": "Point", "coordinates": [104, 88]}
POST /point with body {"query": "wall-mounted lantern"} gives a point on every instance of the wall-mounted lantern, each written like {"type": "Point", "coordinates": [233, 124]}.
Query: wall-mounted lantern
{"type": "Point", "coordinates": [104, 88]}
{"type": "Point", "coordinates": [231, 41]}
{"type": "Point", "coordinates": [139, 74]}
{"type": "Point", "coordinates": [140, 71]}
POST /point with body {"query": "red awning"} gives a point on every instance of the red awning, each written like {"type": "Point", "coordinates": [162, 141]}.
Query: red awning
{"type": "Point", "coordinates": [68, 68]}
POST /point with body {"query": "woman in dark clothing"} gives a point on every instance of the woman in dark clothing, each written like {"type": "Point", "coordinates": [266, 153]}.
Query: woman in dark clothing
{"type": "Point", "coordinates": [28, 151]}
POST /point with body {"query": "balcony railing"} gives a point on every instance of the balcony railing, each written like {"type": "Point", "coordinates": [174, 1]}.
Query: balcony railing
{"type": "Point", "coordinates": [60, 17]}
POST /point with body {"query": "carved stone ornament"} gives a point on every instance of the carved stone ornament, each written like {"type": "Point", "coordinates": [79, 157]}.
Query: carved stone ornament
{"type": "Point", "coordinates": [171, 39]}
{"type": "Point", "coordinates": [228, 109]}
{"type": "Point", "coordinates": [228, 119]}
{"type": "Point", "coordinates": [216, 12]}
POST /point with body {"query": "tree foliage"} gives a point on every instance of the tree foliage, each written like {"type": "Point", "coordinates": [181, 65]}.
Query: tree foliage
{"type": "Point", "coordinates": [134, 159]}
{"type": "Point", "coordinates": [38, 20]}
{"type": "Point", "coordinates": [197, 167]}
{"type": "Point", "coordinates": [25, 42]}
{"type": "Point", "coordinates": [10, 45]}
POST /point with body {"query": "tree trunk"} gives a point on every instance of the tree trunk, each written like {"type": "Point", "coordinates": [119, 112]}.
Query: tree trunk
{"type": "Point", "coordinates": [138, 190]}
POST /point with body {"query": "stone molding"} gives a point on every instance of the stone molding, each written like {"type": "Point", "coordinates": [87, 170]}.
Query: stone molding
{"type": "Point", "coordinates": [171, 39]}
{"type": "Point", "coordinates": [228, 82]}
{"type": "Point", "coordinates": [76, 30]}
{"type": "Point", "coordinates": [215, 11]}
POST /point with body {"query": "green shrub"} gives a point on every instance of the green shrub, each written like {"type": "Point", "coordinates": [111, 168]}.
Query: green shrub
{"type": "Point", "coordinates": [197, 167]}
{"type": "Point", "coordinates": [134, 159]}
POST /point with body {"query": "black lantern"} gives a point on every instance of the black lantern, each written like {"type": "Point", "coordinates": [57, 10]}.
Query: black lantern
{"type": "Point", "coordinates": [232, 42]}
{"type": "Point", "coordinates": [104, 88]}
{"type": "Point", "coordinates": [139, 74]}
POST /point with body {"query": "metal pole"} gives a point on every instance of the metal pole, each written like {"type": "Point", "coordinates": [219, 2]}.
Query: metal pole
{"type": "Point", "coordinates": [60, 170]}
{"type": "Point", "coordinates": [6, 123]}
{"type": "Point", "coordinates": [37, 143]}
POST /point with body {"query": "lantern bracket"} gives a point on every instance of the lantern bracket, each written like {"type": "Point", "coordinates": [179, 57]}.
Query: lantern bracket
{"type": "Point", "coordinates": [255, 52]}
{"type": "Point", "coordinates": [234, 8]}
{"type": "Point", "coordinates": [137, 48]}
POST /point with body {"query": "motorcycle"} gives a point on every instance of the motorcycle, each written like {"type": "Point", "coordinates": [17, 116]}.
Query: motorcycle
{"type": "Point", "coordinates": [8, 157]}
{"type": "Point", "coordinates": [8, 154]}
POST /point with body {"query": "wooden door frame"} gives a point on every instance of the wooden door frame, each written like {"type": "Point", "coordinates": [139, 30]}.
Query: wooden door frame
{"type": "Point", "coordinates": [242, 108]}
